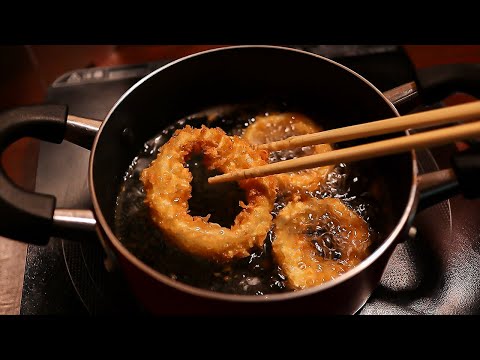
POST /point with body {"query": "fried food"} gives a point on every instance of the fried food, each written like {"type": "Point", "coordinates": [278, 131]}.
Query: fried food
{"type": "Point", "coordinates": [168, 188]}
{"type": "Point", "coordinates": [276, 127]}
{"type": "Point", "coordinates": [318, 240]}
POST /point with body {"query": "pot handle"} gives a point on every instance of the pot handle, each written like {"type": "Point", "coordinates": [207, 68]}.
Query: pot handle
{"type": "Point", "coordinates": [438, 82]}
{"type": "Point", "coordinates": [463, 178]}
{"type": "Point", "coordinates": [434, 84]}
{"type": "Point", "coordinates": [25, 215]}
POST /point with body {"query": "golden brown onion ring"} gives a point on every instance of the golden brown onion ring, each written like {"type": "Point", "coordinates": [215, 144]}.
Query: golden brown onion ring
{"type": "Point", "coordinates": [167, 185]}
{"type": "Point", "coordinates": [276, 127]}
{"type": "Point", "coordinates": [306, 256]}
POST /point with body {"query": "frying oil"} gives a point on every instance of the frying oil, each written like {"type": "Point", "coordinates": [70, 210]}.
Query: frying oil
{"type": "Point", "coordinates": [254, 275]}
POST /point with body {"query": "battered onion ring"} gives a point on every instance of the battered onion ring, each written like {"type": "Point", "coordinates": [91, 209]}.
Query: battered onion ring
{"type": "Point", "coordinates": [299, 253]}
{"type": "Point", "coordinates": [167, 185]}
{"type": "Point", "coordinates": [276, 127]}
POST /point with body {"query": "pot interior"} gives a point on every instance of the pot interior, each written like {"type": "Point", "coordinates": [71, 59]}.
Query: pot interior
{"type": "Point", "coordinates": [325, 91]}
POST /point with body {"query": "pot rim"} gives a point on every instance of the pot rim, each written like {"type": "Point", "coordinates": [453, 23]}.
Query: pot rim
{"type": "Point", "coordinates": [405, 219]}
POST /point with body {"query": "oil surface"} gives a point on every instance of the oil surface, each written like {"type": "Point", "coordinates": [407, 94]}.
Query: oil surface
{"type": "Point", "coordinates": [257, 274]}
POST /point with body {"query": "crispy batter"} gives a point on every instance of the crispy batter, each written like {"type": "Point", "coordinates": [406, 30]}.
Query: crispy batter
{"type": "Point", "coordinates": [300, 250]}
{"type": "Point", "coordinates": [276, 127]}
{"type": "Point", "coordinates": [167, 185]}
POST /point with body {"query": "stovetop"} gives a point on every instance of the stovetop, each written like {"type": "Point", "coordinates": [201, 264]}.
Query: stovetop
{"type": "Point", "coordinates": [436, 272]}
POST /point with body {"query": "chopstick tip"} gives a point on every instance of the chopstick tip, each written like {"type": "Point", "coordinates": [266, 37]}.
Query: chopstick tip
{"type": "Point", "coordinates": [217, 179]}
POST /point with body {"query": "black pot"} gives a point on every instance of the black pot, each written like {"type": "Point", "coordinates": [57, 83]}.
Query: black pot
{"type": "Point", "coordinates": [242, 74]}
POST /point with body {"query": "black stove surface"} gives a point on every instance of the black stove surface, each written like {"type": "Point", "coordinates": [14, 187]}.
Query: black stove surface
{"type": "Point", "coordinates": [70, 278]}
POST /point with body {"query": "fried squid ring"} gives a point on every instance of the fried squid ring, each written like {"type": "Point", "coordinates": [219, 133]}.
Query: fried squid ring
{"type": "Point", "coordinates": [317, 240]}
{"type": "Point", "coordinates": [276, 127]}
{"type": "Point", "coordinates": [167, 185]}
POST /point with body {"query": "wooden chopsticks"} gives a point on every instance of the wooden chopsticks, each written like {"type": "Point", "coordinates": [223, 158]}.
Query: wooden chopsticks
{"type": "Point", "coordinates": [464, 112]}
